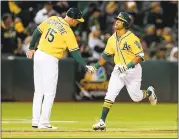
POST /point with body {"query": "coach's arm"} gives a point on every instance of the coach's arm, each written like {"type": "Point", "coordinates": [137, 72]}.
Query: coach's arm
{"type": "Point", "coordinates": [35, 38]}
{"type": "Point", "coordinates": [77, 56]}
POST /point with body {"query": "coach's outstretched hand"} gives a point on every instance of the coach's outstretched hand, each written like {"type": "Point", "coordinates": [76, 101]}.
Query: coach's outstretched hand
{"type": "Point", "coordinates": [30, 54]}
{"type": "Point", "coordinates": [91, 69]}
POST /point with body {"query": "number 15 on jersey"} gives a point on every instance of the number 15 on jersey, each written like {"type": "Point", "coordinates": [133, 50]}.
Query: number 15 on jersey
{"type": "Point", "coordinates": [50, 35]}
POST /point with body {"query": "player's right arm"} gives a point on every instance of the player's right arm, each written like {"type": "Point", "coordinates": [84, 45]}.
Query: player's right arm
{"type": "Point", "coordinates": [35, 38]}
{"type": "Point", "coordinates": [106, 55]}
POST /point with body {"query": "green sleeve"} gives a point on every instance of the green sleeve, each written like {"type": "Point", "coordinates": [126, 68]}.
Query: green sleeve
{"type": "Point", "coordinates": [35, 38]}
{"type": "Point", "coordinates": [77, 56]}
{"type": "Point", "coordinates": [106, 57]}
{"type": "Point", "coordinates": [130, 65]}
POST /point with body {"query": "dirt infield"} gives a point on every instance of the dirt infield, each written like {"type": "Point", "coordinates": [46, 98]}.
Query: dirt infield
{"type": "Point", "coordinates": [81, 132]}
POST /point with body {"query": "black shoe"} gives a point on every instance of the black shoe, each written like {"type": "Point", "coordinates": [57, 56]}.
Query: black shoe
{"type": "Point", "coordinates": [33, 126]}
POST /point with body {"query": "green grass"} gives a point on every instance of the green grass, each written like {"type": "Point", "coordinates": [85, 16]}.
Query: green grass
{"type": "Point", "coordinates": [125, 120]}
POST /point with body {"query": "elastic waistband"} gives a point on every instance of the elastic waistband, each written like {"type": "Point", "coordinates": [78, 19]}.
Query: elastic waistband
{"type": "Point", "coordinates": [131, 68]}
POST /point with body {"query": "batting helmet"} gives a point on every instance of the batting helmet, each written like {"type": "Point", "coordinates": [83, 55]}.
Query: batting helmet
{"type": "Point", "coordinates": [75, 14]}
{"type": "Point", "coordinates": [126, 18]}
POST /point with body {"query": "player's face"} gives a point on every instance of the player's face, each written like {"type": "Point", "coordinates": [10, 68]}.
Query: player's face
{"type": "Point", "coordinates": [74, 22]}
{"type": "Point", "coordinates": [118, 25]}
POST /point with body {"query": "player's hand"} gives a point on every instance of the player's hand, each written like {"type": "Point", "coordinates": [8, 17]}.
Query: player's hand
{"type": "Point", "coordinates": [30, 54]}
{"type": "Point", "coordinates": [122, 68]}
{"type": "Point", "coordinates": [91, 69]}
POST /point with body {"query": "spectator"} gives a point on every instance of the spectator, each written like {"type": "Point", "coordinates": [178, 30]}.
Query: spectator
{"type": "Point", "coordinates": [84, 49]}
{"type": "Point", "coordinates": [159, 19]}
{"type": "Point", "coordinates": [84, 28]}
{"type": "Point", "coordinates": [151, 38]}
{"type": "Point", "coordinates": [21, 18]}
{"type": "Point", "coordinates": [20, 29]}
{"type": "Point", "coordinates": [95, 43]}
{"type": "Point", "coordinates": [160, 54]}
{"type": "Point", "coordinates": [167, 34]}
{"type": "Point", "coordinates": [133, 11]}
{"type": "Point", "coordinates": [23, 12]}
{"type": "Point", "coordinates": [110, 12]}
{"type": "Point", "coordinates": [174, 55]}
{"type": "Point", "coordinates": [145, 49]}
{"type": "Point", "coordinates": [155, 16]}
{"type": "Point", "coordinates": [94, 20]}
{"type": "Point", "coordinates": [61, 7]}
{"type": "Point", "coordinates": [170, 10]}
{"type": "Point", "coordinates": [44, 13]}
{"type": "Point", "coordinates": [10, 41]}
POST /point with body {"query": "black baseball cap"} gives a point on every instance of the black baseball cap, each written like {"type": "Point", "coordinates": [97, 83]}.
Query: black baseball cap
{"type": "Point", "coordinates": [75, 13]}
{"type": "Point", "coordinates": [123, 16]}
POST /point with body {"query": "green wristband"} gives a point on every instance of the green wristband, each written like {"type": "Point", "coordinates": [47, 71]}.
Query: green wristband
{"type": "Point", "coordinates": [130, 65]}
{"type": "Point", "coordinates": [96, 65]}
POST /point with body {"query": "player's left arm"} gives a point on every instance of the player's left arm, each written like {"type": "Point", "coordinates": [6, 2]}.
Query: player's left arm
{"type": "Point", "coordinates": [138, 51]}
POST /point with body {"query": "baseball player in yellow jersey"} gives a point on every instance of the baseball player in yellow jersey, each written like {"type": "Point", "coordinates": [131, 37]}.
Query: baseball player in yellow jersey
{"type": "Point", "coordinates": [128, 53]}
{"type": "Point", "coordinates": [54, 36]}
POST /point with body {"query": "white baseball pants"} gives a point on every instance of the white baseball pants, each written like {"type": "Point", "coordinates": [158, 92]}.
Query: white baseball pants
{"type": "Point", "coordinates": [45, 82]}
{"type": "Point", "coordinates": [131, 78]}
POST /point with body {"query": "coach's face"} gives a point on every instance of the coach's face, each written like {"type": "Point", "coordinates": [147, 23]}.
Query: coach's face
{"type": "Point", "coordinates": [75, 22]}
{"type": "Point", "coordinates": [118, 25]}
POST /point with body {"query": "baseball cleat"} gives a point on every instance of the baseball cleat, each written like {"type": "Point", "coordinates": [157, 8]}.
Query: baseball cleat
{"type": "Point", "coordinates": [34, 126]}
{"type": "Point", "coordinates": [47, 127]}
{"type": "Point", "coordinates": [152, 97]}
{"type": "Point", "coordinates": [99, 125]}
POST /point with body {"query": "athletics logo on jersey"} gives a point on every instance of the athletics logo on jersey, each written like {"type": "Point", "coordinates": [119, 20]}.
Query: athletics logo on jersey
{"type": "Point", "coordinates": [126, 46]}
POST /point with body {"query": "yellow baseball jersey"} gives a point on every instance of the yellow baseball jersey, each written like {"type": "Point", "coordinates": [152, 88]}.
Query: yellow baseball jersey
{"type": "Point", "coordinates": [125, 48]}
{"type": "Point", "coordinates": [57, 36]}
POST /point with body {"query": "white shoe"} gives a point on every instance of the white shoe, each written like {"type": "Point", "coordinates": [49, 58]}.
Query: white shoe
{"type": "Point", "coordinates": [152, 97]}
{"type": "Point", "coordinates": [99, 125]}
{"type": "Point", "coordinates": [47, 127]}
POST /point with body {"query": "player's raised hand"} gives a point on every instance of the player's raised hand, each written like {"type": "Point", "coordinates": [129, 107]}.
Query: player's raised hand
{"type": "Point", "coordinates": [30, 54]}
{"type": "Point", "coordinates": [91, 69]}
{"type": "Point", "coordinates": [122, 68]}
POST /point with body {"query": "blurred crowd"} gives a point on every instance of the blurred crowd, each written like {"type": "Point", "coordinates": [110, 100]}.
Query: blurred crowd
{"type": "Point", "coordinates": [155, 23]}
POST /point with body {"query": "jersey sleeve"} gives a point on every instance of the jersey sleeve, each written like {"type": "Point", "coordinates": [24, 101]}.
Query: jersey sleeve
{"type": "Point", "coordinates": [137, 48]}
{"type": "Point", "coordinates": [70, 41]}
{"type": "Point", "coordinates": [42, 26]}
{"type": "Point", "coordinates": [109, 50]}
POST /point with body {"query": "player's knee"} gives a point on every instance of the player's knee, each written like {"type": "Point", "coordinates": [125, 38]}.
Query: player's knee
{"type": "Point", "coordinates": [39, 93]}
{"type": "Point", "coordinates": [136, 98]}
{"type": "Point", "coordinates": [110, 97]}
{"type": "Point", "coordinates": [52, 95]}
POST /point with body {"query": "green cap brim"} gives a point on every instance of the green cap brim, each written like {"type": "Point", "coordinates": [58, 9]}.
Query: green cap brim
{"type": "Point", "coordinates": [120, 18]}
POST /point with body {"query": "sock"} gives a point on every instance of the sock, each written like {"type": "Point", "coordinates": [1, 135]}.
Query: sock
{"type": "Point", "coordinates": [106, 107]}
{"type": "Point", "coordinates": [146, 93]}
